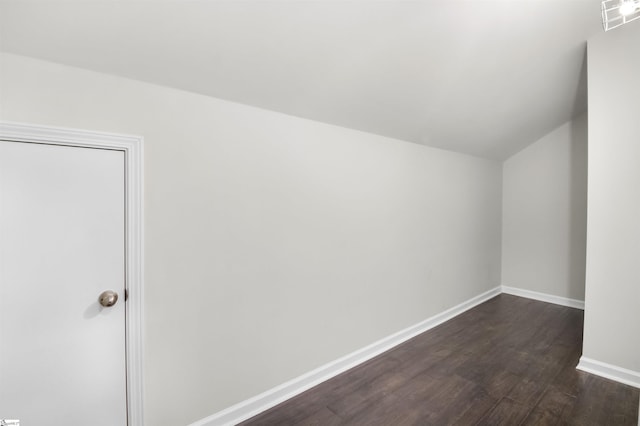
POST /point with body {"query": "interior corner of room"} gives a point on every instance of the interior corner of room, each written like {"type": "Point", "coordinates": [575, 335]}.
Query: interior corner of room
{"type": "Point", "coordinates": [281, 249]}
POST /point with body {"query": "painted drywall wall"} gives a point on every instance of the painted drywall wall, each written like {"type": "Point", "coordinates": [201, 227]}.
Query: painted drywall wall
{"type": "Point", "coordinates": [544, 213]}
{"type": "Point", "coordinates": [273, 244]}
{"type": "Point", "coordinates": [612, 303]}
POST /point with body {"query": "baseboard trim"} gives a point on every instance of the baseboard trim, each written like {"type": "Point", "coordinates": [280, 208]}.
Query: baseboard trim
{"type": "Point", "coordinates": [544, 297]}
{"type": "Point", "coordinates": [253, 406]}
{"type": "Point", "coordinates": [609, 371]}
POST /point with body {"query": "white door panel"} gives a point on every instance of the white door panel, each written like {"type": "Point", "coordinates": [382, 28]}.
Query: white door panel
{"type": "Point", "coordinates": [62, 230]}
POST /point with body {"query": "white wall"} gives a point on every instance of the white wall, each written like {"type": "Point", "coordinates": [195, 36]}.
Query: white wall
{"type": "Point", "coordinates": [544, 213]}
{"type": "Point", "coordinates": [273, 244]}
{"type": "Point", "coordinates": [612, 314]}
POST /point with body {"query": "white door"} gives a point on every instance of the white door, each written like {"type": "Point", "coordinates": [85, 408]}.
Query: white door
{"type": "Point", "coordinates": [62, 239]}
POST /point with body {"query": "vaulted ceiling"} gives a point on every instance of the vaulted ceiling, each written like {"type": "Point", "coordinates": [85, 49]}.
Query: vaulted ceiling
{"type": "Point", "coordinates": [481, 77]}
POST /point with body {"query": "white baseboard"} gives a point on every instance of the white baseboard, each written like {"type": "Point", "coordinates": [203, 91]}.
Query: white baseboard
{"type": "Point", "coordinates": [253, 406]}
{"type": "Point", "coordinates": [609, 371]}
{"type": "Point", "coordinates": [544, 297]}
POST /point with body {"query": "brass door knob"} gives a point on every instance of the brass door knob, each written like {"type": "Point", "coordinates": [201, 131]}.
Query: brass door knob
{"type": "Point", "coordinates": [108, 298]}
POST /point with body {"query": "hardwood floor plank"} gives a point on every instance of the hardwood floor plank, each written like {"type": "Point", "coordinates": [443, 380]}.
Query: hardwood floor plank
{"type": "Point", "coordinates": [541, 418]}
{"type": "Point", "coordinates": [604, 402]}
{"type": "Point", "coordinates": [389, 410]}
{"type": "Point", "coordinates": [322, 417]}
{"type": "Point", "coordinates": [467, 407]}
{"type": "Point", "coordinates": [448, 393]}
{"type": "Point", "coordinates": [556, 402]}
{"type": "Point", "coordinates": [527, 392]}
{"type": "Point", "coordinates": [367, 393]}
{"type": "Point", "coordinates": [507, 412]}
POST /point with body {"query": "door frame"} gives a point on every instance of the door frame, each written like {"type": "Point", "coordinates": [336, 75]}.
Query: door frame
{"type": "Point", "coordinates": [132, 146]}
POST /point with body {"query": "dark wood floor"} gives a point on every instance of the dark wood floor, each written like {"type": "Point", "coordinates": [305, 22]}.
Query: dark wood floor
{"type": "Point", "coordinates": [509, 361]}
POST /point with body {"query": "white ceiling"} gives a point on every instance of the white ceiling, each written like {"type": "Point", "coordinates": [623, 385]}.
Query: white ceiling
{"type": "Point", "coordinates": [481, 77]}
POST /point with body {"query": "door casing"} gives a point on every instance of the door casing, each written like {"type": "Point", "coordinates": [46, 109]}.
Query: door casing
{"type": "Point", "coordinates": [132, 146]}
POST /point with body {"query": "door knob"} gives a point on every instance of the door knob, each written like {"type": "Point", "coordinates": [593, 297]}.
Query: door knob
{"type": "Point", "coordinates": [108, 298]}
